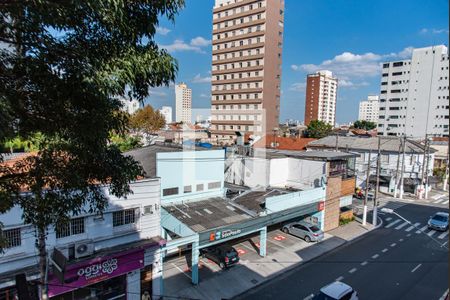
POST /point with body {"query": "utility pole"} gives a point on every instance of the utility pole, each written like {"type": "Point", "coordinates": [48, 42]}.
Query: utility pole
{"type": "Point", "coordinates": [374, 213]}
{"type": "Point", "coordinates": [422, 177]}
{"type": "Point", "coordinates": [398, 166]}
{"type": "Point", "coordinates": [426, 168]}
{"type": "Point", "coordinates": [446, 170]}
{"type": "Point", "coordinates": [367, 190]}
{"type": "Point", "coordinates": [403, 167]}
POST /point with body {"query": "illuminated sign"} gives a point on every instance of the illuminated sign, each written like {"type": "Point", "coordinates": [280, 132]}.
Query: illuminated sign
{"type": "Point", "coordinates": [213, 236]}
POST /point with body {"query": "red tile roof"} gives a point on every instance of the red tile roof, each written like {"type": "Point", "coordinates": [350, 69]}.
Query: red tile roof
{"type": "Point", "coordinates": [283, 143]}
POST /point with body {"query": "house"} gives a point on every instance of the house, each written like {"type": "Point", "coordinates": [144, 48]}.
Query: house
{"type": "Point", "coordinates": [283, 143]}
{"type": "Point", "coordinates": [391, 159]}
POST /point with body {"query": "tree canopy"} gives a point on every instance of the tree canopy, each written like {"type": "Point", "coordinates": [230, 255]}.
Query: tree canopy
{"type": "Point", "coordinates": [147, 120]}
{"type": "Point", "coordinates": [363, 124]}
{"type": "Point", "coordinates": [63, 64]}
{"type": "Point", "coordinates": [318, 129]}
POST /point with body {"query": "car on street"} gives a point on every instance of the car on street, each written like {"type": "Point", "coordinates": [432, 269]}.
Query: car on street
{"type": "Point", "coordinates": [337, 291]}
{"type": "Point", "coordinates": [224, 255]}
{"type": "Point", "coordinates": [439, 221]}
{"type": "Point", "coordinates": [304, 230]}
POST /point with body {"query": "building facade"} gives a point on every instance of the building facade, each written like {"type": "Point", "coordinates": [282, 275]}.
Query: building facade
{"type": "Point", "coordinates": [125, 237]}
{"type": "Point", "coordinates": [368, 109]}
{"type": "Point", "coordinates": [414, 97]}
{"type": "Point", "coordinates": [183, 103]}
{"type": "Point", "coordinates": [320, 102]}
{"type": "Point", "coordinates": [130, 106]}
{"type": "Point", "coordinates": [166, 111]}
{"type": "Point", "coordinates": [247, 47]}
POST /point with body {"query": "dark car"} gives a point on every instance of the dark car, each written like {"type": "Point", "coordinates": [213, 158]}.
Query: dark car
{"type": "Point", "coordinates": [224, 256]}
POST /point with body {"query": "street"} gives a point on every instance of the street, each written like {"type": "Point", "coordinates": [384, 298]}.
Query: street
{"type": "Point", "coordinates": [397, 261]}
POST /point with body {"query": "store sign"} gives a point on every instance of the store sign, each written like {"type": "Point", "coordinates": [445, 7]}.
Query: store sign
{"type": "Point", "coordinates": [320, 206]}
{"type": "Point", "coordinates": [218, 235]}
{"type": "Point", "coordinates": [95, 270]}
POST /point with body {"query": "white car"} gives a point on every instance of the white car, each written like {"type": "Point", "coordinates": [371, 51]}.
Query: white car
{"type": "Point", "coordinates": [337, 291]}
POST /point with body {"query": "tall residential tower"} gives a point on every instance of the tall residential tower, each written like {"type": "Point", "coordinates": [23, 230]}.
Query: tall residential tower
{"type": "Point", "coordinates": [183, 103]}
{"type": "Point", "coordinates": [320, 102]}
{"type": "Point", "coordinates": [368, 109]}
{"type": "Point", "coordinates": [247, 45]}
{"type": "Point", "coordinates": [414, 97]}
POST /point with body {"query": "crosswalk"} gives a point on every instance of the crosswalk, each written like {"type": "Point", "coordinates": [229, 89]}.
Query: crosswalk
{"type": "Point", "coordinates": [443, 201]}
{"type": "Point", "coordinates": [399, 224]}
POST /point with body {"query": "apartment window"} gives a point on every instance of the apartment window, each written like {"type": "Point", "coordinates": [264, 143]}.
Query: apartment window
{"type": "Point", "coordinates": [398, 64]}
{"type": "Point", "coordinates": [214, 185]}
{"type": "Point", "coordinates": [386, 65]}
{"type": "Point", "coordinates": [123, 217]}
{"type": "Point", "coordinates": [187, 189]}
{"type": "Point", "coordinates": [72, 227]}
{"type": "Point", "coordinates": [385, 74]}
{"type": "Point", "coordinates": [170, 191]}
{"type": "Point", "coordinates": [200, 187]}
{"type": "Point", "coordinates": [13, 237]}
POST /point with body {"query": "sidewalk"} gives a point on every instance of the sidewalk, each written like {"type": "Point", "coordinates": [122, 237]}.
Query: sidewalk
{"type": "Point", "coordinates": [251, 273]}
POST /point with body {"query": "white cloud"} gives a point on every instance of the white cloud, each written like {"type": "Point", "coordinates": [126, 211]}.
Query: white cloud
{"type": "Point", "coordinates": [350, 84]}
{"type": "Point", "coordinates": [156, 92]}
{"type": "Point", "coordinates": [433, 31]}
{"type": "Point", "coordinates": [162, 30]}
{"type": "Point", "coordinates": [199, 79]}
{"type": "Point", "coordinates": [347, 65]}
{"type": "Point", "coordinates": [298, 87]}
{"type": "Point", "coordinates": [195, 45]}
{"type": "Point", "coordinates": [204, 96]}
{"type": "Point", "coordinates": [200, 42]}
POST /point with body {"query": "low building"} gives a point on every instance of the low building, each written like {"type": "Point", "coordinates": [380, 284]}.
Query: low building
{"type": "Point", "coordinates": [166, 111]}
{"type": "Point", "coordinates": [115, 254]}
{"type": "Point", "coordinates": [283, 143]}
{"type": "Point", "coordinates": [391, 159]}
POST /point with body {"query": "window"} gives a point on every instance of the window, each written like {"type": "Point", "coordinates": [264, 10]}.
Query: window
{"type": "Point", "coordinates": [73, 227]}
{"type": "Point", "coordinates": [148, 209]}
{"type": "Point", "coordinates": [385, 158]}
{"type": "Point", "coordinates": [13, 237]}
{"type": "Point", "coordinates": [170, 191]}
{"type": "Point", "coordinates": [397, 64]}
{"type": "Point", "coordinates": [214, 185]}
{"type": "Point", "coordinates": [386, 65]}
{"type": "Point", "coordinates": [123, 217]}
{"type": "Point", "coordinates": [187, 189]}
{"type": "Point", "coordinates": [199, 187]}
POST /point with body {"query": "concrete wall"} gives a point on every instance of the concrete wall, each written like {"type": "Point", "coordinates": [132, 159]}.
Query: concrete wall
{"type": "Point", "coordinates": [190, 168]}
{"type": "Point", "coordinates": [332, 203]}
{"type": "Point", "coordinates": [286, 201]}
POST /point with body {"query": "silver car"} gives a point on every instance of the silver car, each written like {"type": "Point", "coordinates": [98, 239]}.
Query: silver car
{"type": "Point", "coordinates": [304, 230]}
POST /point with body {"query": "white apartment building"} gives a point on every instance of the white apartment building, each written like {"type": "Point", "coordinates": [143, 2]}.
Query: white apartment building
{"type": "Point", "coordinates": [166, 111]}
{"type": "Point", "coordinates": [125, 237]}
{"type": "Point", "coordinates": [368, 109]}
{"type": "Point", "coordinates": [247, 42]}
{"type": "Point", "coordinates": [414, 97]}
{"type": "Point", "coordinates": [183, 103]}
{"type": "Point", "coordinates": [321, 93]}
{"type": "Point", "coordinates": [129, 106]}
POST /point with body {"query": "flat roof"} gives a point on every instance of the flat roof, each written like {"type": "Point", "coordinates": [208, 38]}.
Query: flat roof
{"type": "Point", "coordinates": [255, 200]}
{"type": "Point", "coordinates": [207, 214]}
{"type": "Point", "coordinates": [310, 155]}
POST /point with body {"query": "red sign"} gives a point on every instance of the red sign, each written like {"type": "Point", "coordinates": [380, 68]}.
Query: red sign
{"type": "Point", "coordinates": [320, 205]}
{"type": "Point", "coordinates": [212, 236]}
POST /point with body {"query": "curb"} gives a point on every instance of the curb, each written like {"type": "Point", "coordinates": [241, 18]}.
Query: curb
{"type": "Point", "coordinates": [290, 268]}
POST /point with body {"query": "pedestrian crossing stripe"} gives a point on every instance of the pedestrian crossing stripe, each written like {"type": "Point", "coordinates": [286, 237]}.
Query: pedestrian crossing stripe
{"type": "Point", "coordinates": [423, 229]}
{"type": "Point", "coordinates": [441, 201]}
{"type": "Point", "coordinates": [392, 224]}
{"type": "Point", "coordinates": [431, 233]}
{"type": "Point", "coordinates": [401, 225]}
{"type": "Point", "coordinates": [412, 227]}
{"type": "Point", "coordinates": [443, 235]}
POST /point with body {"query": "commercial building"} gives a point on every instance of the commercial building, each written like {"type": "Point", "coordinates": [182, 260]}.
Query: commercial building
{"type": "Point", "coordinates": [183, 103]}
{"type": "Point", "coordinates": [414, 96]}
{"type": "Point", "coordinates": [129, 105]}
{"type": "Point", "coordinates": [116, 254]}
{"type": "Point", "coordinates": [390, 161]}
{"type": "Point", "coordinates": [368, 109]}
{"type": "Point", "coordinates": [320, 101]}
{"type": "Point", "coordinates": [166, 111]}
{"type": "Point", "coordinates": [247, 46]}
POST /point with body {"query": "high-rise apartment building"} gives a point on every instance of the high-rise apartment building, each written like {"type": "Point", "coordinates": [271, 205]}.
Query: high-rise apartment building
{"type": "Point", "coordinates": [320, 102]}
{"type": "Point", "coordinates": [183, 103]}
{"type": "Point", "coordinates": [414, 97]}
{"type": "Point", "coordinates": [368, 109]}
{"type": "Point", "coordinates": [129, 105]}
{"type": "Point", "coordinates": [247, 45]}
{"type": "Point", "coordinates": [166, 111]}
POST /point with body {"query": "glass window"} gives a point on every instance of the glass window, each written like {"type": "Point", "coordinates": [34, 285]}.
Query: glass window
{"type": "Point", "coordinates": [72, 227]}
{"type": "Point", "coordinates": [170, 191]}
{"type": "Point", "coordinates": [123, 217]}
{"type": "Point", "coordinates": [12, 237]}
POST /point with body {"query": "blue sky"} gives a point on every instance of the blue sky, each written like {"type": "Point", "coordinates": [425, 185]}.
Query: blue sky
{"type": "Point", "coordinates": [349, 37]}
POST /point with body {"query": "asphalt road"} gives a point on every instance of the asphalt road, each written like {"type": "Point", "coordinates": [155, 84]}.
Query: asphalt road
{"type": "Point", "coordinates": [397, 261]}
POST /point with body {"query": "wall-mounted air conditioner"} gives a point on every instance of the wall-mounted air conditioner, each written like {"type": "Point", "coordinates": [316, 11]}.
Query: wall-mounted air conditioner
{"type": "Point", "coordinates": [84, 248]}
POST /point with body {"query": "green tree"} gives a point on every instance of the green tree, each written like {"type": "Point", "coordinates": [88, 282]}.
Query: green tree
{"type": "Point", "coordinates": [64, 66]}
{"type": "Point", "coordinates": [363, 124]}
{"type": "Point", "coordinates": [318, 129]}
{"type": "Point", "coordinates": [125, 142]}
{"type": "Point", "coordinates": [147, 120]}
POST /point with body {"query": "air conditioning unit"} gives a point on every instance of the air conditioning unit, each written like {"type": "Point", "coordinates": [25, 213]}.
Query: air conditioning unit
{"type": "Point", "coordinates": [84, 248]}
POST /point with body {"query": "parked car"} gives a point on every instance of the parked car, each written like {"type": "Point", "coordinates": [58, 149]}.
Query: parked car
{"type": "Point", "coordinates": [225, 256]}
{"type": "Point", "coordinates": [304, 230]}
{"type": "Point", "coordinates": [439, 221]}
{"type": "Point", "coordinates": [337, 291]}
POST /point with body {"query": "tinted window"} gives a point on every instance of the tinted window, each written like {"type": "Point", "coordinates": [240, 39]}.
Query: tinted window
{"type": "Point", "coordinates": [314, 228]}
{"type": "Point", "coordinates": [440, 218]}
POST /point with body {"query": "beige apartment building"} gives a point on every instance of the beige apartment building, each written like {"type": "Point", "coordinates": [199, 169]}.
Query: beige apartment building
{"type": "Point", "coordinates": [247, 46]}
{"type": "Point", "coordinates": [183, 103]}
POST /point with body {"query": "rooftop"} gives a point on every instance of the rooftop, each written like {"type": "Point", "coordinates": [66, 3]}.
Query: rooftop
{"type": "Point", "coordinates": [309, 155]}
{"type": "Point", "coordinates": [388, 144]}
{"type": "Point", "coordinates": [283, 143]}
{"type": "Point", "coordinates": [207, 214]}
{"type": "Point", "coordinates": [255, 200]}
